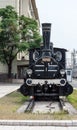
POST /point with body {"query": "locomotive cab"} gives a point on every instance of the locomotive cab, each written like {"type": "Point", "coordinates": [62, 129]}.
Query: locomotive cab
{"type": "Point", "coordinates": [46, 75]}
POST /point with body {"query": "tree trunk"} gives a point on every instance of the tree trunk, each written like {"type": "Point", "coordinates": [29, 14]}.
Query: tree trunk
{"type": "Point", "coordinates": [9, 70]}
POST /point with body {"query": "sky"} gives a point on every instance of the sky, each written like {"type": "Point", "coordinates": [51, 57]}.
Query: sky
{"type": "Point", "coordinates": [63, 16]}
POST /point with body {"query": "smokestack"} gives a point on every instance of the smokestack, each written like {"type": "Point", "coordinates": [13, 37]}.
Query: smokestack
{"type": "Point", "coordinates": [46, 29]}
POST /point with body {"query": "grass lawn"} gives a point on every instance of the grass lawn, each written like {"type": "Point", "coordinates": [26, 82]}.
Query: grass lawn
{"type": "Point", "coordinates": [10, 103]}
{"type": "Point", "coordinates": [73, 98]}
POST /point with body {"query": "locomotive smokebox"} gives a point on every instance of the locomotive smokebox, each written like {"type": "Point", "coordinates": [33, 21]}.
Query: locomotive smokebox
{"type": "Point", "coordinates": [46, 29]}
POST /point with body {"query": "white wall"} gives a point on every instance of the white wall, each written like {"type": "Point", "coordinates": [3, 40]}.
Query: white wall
{"type": "Point", "coordinates": [14, 66]}
{"type": "Point", "coordinates": [14, 3]}
{"type": "Point", "coordinates": [3, 68]}
{"type": "Point", "coordinates": [4, 3]}
{"type": "Point", "coordinates": [24, 7]}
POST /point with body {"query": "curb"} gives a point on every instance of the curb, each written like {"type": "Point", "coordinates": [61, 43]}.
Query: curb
{"type": "Point", "coordinates": [72, 123]}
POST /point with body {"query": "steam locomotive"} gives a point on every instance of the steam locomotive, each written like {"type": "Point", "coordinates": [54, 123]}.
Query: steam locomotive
{"type": "Point", "coordinates": [46, 75]}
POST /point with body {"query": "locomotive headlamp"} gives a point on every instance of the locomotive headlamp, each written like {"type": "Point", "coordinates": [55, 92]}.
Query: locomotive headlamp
{"type": "Point", "coordinates": [62, 82]}
{"type": "Point", "coordinates": [29, 71]}
{"type": "Point", "coordinates": [29, 81]}
{"type": "Point", "coordinates": [62, 71]}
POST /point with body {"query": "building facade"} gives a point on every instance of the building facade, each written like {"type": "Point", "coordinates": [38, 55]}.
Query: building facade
{"type": "Point", "coordinates": [27, 8]}
{"type": "Point", "coordinates": [23, 7]}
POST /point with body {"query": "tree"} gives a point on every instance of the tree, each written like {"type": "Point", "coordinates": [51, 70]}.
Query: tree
{"type": "Point", "coordinates": [16, 34]}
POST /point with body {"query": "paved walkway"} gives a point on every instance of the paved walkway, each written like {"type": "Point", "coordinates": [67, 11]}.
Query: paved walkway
{"type": "Point", "coordinates": [36, 128]}
{"type": "Point", "coordinates": [8, 88]}
{"type": "Point", "coordinates": [38, 124]}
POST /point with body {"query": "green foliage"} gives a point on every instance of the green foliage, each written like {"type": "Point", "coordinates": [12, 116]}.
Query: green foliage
{"type": "Point", "coordinates": [8, 12]}
{"type": "Point", "coordinates": [16, 34]}
{"type": "Point", "coordinates": [73, 98]}
{"type": "Point", "coordinates": [30, 32]}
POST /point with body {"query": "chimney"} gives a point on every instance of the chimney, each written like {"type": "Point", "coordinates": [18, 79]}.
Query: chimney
{"type": "Point", "coordinates": [46, 29]}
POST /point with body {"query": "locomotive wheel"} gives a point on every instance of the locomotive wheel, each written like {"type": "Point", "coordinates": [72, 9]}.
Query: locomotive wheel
{"type": "Point", "coordinates": [68, 89]}
{"type": "Point", "coordinates": [24, 90]}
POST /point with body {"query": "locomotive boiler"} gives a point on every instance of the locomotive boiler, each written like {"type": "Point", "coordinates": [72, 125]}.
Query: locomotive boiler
{"type": "Point", "coordinates": [46, 75]}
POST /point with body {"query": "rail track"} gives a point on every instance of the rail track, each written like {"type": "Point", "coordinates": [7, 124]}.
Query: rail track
{"type": "Point", "coordinates": [62, 105]}
{"type": "Point", "coordinates": [47, 107]}
{"type": "Point", "coordinates": [30, 105]}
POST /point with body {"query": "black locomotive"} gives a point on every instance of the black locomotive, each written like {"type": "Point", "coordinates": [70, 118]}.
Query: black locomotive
{"type": "Point", "coordinates": [46, 75]}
